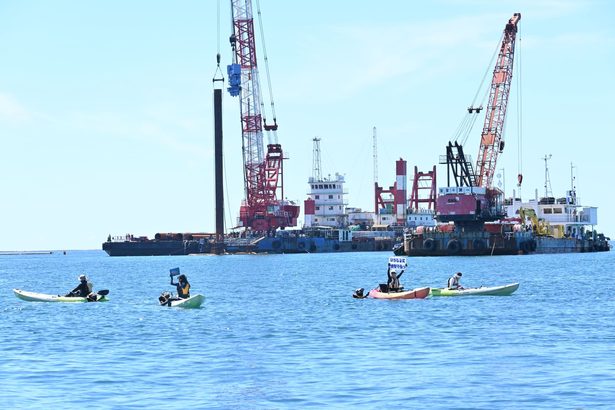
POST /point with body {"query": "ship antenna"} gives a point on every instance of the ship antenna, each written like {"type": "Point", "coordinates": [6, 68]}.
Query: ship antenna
{"type": "Point", "coordinates": [548, 191]}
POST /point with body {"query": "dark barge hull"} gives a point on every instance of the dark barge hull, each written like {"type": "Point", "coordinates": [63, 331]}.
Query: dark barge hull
{"type": "Point", "coordinates": [277, 245]}
{"type": "Point", "coordinates": [266, 245]}
{"type": "Point", "coordinates": [485, 244]}
{"type": "Point", "coordinates": [154, 248]}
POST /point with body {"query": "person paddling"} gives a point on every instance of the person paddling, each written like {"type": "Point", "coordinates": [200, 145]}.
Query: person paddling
{"type": "Point", "coordinates": [453, 282]}
{"type": "Point", "coordinates": [82, 290]}
{"type": "Point", "coordinates": [359, 294]}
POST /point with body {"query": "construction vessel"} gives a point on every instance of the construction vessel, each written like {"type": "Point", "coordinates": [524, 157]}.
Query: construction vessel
{"type": "Point", "coordinates": [469, 216]}
{"type": "Point", "coordinates": [473, 216]}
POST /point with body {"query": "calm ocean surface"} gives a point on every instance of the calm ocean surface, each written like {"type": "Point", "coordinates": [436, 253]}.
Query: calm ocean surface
{"type": "Point", "coordinates": [283, 331]}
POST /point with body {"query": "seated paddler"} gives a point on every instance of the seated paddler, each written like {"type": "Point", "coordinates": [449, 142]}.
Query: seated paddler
{"type": "Point", "coordinates": [393, 280]}
{"type": "Point", "coordinates": [182, 285]}
{"type": "Point", "coordinates": [83, 289]}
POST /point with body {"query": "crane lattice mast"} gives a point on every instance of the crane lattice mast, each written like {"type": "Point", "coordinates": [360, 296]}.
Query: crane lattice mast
{"type": "Point", "coordinates": [261, 209]}
{"type": "Point", "coordinates": [492, 142]}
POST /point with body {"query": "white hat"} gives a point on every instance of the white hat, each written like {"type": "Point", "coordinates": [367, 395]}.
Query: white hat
{"type": "Point", "coordinates": [82, 277]}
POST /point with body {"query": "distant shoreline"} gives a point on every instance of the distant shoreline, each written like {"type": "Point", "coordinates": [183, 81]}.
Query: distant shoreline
{"type": "Point", "coordinates": [25, 253]}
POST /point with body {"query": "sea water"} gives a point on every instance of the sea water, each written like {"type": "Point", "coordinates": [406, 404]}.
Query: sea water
{"type": "Point", "coordinates": [282, 331]}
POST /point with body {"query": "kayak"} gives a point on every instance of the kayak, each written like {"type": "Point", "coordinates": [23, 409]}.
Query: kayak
{"type": "Point", "coordinates": [503, 290]}
{"type": "Point", "coordinates": [418, 293]}
{"type": "Point", "coordinates": [42, 297]}
{"type": "Point", "coordinates": [190, 303]}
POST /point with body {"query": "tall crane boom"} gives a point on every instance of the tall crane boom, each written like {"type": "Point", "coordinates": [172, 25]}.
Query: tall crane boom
{"type": "Point", "coordinates": [244, 47]}
{"type": "Point", "coordinates": [263, 177]}
{"type": "Point", "coordinates": [492, 142]}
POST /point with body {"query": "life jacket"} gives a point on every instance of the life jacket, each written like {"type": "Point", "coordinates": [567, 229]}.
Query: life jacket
{"type": "Point", "coordinates": [453, 282]}
{"type": "Point", "coordinates": [394, 283]}
{"type": "Point", "coordinates": [183, 291]}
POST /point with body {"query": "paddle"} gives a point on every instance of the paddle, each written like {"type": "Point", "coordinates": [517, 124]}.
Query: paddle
{"type": "Point", "coordinates": [174, 272]}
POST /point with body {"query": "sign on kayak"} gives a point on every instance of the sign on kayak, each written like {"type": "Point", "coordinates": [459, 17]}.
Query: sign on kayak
{"type": "Point", "coordinates": [397, 262]}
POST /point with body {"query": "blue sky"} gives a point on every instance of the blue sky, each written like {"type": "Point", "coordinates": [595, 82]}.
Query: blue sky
{"type": "Point", "coordinates": [106, 113]}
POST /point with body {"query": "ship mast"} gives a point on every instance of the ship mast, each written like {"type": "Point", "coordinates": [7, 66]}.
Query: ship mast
{"type": "Point", "coordinates": [548, 191]}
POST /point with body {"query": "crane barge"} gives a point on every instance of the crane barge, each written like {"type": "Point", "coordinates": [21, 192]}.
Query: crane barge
{"type": "Point", "coordinates": [472, 213]}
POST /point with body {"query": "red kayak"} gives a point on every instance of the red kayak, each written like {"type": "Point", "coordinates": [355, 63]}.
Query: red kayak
{"type": "Point", "coordinates": [418, 293]}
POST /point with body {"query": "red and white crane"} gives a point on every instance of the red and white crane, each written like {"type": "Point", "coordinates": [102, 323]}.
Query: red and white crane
{"type": "Point", "coordinates": [473, 200]}
{"type": "Point", "coordinates": [492, 143]}
{"type": "Point", "coordinates": [261, 209]}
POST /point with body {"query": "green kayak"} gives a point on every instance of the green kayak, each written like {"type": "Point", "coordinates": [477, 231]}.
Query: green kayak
{"type": "Point", "coordinates": [503, 290]}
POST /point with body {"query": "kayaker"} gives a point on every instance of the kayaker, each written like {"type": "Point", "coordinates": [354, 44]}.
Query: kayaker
{"type": "Point", "coordinates": [359, 294]}
{"type": "Point", "coordinates": [393, 282]}
{"type": "Point", "coordinates": [182, 285]}
{"type": "Point", "coordinates": [83, 289]}
{"type": "Point", "coordinates": [453, 281]}
{"type": "Point", "coordinates": [165, 299]}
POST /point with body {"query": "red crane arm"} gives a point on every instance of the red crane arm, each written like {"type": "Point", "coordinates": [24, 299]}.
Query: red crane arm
{"type": "Point", "coordinates": [492, 142]}
{"type": "Point", "coordinates": [263, 171]}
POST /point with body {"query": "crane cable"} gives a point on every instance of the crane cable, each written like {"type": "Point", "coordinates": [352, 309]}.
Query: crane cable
{"type": "Point", "coordinates": [519, 118]}
{"type": "Point", "coordinates": [266, 59]}
{"type": "Point", "coordinates": [218, 75]}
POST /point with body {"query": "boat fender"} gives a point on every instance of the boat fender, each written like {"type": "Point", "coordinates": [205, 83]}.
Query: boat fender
{"type": "Point", "coordinates": [453, 246]}
{"type": "Point", "coordinates": [312, 248]}
{"type": "Point", "coordinates": [429, 244]}
{"type": "Point", "coordinates": [336, 246]}
{"type": "Point", "coordinates": [525, 246]}
{"type": "Point", "coordinates": [533, 245]}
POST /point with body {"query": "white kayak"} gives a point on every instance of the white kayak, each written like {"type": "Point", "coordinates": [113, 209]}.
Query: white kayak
{"type": "Point", "coordinates": [43, 297]}
{"type": "Point", "coordinates": [190, 303]}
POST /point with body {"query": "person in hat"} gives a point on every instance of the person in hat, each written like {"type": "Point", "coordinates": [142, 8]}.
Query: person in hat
{"type": "Point", "coordinates": [453, 281]}
{"type": "Point", "coordinates": [83, 289]}
{"type": "Point", "coordinates": [182, 285]}
{"type": "Point", "coordinates": [393, 280]}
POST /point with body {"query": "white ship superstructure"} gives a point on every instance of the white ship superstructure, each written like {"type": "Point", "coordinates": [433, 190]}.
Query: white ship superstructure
{"type": "Point", "coordinates": [329, 202]}
{"type": "Point", "coordinates": [558, 217]}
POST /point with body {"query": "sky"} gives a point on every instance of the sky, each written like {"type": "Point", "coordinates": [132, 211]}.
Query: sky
{"type": "Point", "coordinates": [106, 117]}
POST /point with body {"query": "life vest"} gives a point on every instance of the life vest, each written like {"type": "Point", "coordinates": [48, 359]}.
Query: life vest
{"type": "Point", "coordinates": [394, 283]}
{"type": "Point", "coordinates": [453, 282]}
{"type": "Point", "coordinates": [183, 291]}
